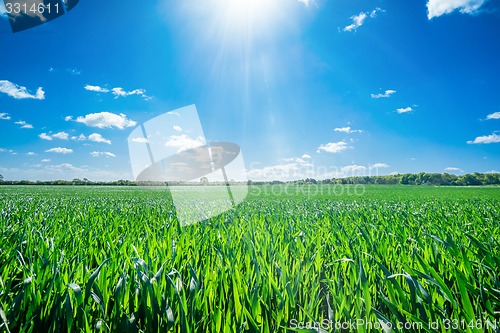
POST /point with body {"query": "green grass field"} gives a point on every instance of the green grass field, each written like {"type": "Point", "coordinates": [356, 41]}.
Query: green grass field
{"type": "Point", "coordinates": [329, 258]}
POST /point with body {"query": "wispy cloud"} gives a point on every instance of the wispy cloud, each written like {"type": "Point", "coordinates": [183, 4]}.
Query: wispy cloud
{"type": "Point", "coordinates": [333, 147]}
{"type": "Point", "coordinates": [59, 150]}
{"type": "Point", "coordinates": [73, 71]}
{"type": "Point", "coordinates": [352, 170]}
{"type": "Point", "coordinates": [379, 166]}
{"type": "Point", "coordinates": [359, 20]}
{"type": "Point", "coordinates": [404, 110]}
{"type": "Point", "coordinates": [4, 116]}
{"type": "Point", "coordinates": [49, 137]}
{"type": "Point", "coordinates": [140, 140]}
{"type": "Point", "coordinates": [453, 169]}
{"type": "Point", "coordinates": [118, 91]}
{"type": "Point", "coordinates": [24, 124]}
{"type": "Point", "coordinates": [20, 92]}
{"type": "Point", "coordinates": [102, 153]}
{"type": "Point", "coordinates": [104, 120]}
{"type": "Point", "coordinates": [306, 156]}
{"type": "Point", "coordinates": [495, 115]}
{"type": "Point", "coordinates": [96, 89]}
{"type": "Point", "coordinates": [437, 8]}
{"type": "Point", "coordinates": [386, 94]}
{"type": "Point", "coordinates": [293, 168]}
{"type": "Point", "coordinates": [347, 130]}
{"type": "Point", "coordinates": [485, 139]}
{"type": "Point", "coordinates": [61, 135]}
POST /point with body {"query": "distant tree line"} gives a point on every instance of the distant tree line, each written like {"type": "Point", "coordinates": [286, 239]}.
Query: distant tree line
{"type": "Point", "coordinates": [75, 181]}
{"type": "Point", "coordinates": [422, 178]}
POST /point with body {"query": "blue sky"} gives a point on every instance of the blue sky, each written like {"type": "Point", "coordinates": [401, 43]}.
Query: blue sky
{"type": "Point", "coordinates": [306, 88]}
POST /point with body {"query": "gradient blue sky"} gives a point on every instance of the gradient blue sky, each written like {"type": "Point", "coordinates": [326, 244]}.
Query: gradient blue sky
{"type": "Point", "coordinates": [306, 88]}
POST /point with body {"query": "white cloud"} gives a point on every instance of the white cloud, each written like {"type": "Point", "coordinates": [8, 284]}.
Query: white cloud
{"type": "Point", "coordinates": [44, 136]}
{"type": "Point", "coordinates": [3, 150]}
{"type": "Point", "coordinates": [359, 20]}
{"type": "Point", "coordinates": [437, 8]}
{"type": "Point", "coordinates": [24, 124]}
{"type": "Point", "coordinates": [65, 171]}
{"type": "Point", "coordinates": [30, 153]}
{"type": "Point", "coordinates": [4, 116]}
{"type": "Point", "coordinates": [352, 170]}
{"type": "Point", "coordinates": [65, 167]}
{"type": "Point", "coordinates": [119, 92]}
{"type": "Point", "coordinates": [68, 118]}
{"type": "Point", "coordinates": [453, 169]}
{"type": "Point", "coordinates": [306, 156]}
{"type": "Point", "coordinates": [177, 128]}
{"type": "Point", "coordinates": [404, 110]}
{"type": "Point", "coordinates": [495, 115]}
{"type": "Point", "coordinates": [106, 120]}
{"type": "Point", "coordinates": [49, 137]}
{"type": "Point", "coordinates": [96, 137]}
{"type": "Point", "coordinates": [333, 147]}
{"type": "Point", "coordinates": [379, 165]}
{"type": "Point", "coordinates": [59, 150]}
{"type": "Point", "coordinates": [297, 169]}
{"type": "Point", "coordinates": [20, 92]}
{"type": "Point", "coordinates": [46, 160]}
{"type": "Point", "coordinates": [102, 153]}
{"type": "Point", "coordinates": [95, 88]}
{"type": "Point", "coordinates": [61, 135]}
{"type": "Point", "coordinates": [298, 160]}
{"type": "Point", "coordinates": [183, 142]}
{"type": "Point", "coordinates": [493, 138]}
{"type": "Point", "coordinates": [81, 137]}
{"type": "Point", "coordinates": [140, 140]}
{"type": "Point", "coordinates": [386, 94]}
{"type": "Point", "coordinates": [347, 130]}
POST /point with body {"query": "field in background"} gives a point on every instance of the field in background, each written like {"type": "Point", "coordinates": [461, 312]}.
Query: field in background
{"type": "Point", "coordinates": [345, 258]}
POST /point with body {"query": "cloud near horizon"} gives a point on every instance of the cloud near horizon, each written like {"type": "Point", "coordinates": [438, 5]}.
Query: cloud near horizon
{"type": "Point", "coordinates": [333, 147]}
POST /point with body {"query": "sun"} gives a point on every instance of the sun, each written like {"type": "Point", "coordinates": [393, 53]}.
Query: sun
{"type": "Point", "coordinates": [247, 14]}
